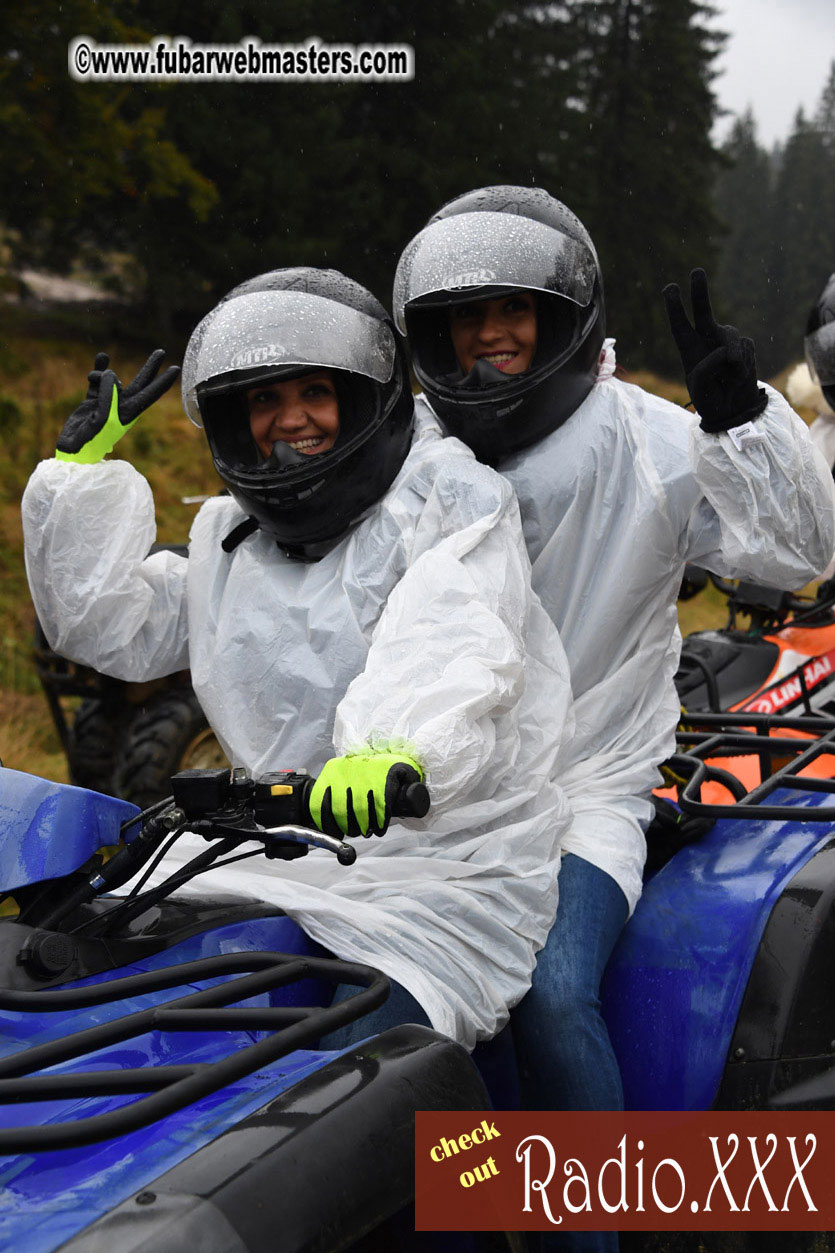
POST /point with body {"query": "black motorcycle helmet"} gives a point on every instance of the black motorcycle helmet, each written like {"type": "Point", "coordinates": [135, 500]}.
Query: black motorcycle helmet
{"type": "Point", "coordinates": [485, 244]}
{"type": "Point", "coordinates": [820, 341]}
{"type": "Point", "coordinates": [281, 325]}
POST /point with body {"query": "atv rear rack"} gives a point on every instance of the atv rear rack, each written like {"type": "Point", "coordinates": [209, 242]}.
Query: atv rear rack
{"type": "Point", "coordinates": [705, 738]}
{"type": "Point", "coordinates": [170, 1088]}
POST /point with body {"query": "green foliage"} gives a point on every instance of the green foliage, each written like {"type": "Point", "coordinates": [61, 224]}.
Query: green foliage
{"type": "Point", "coordinates": [80, 162]}
{"type": "Point", "coordinates": [10, 415]}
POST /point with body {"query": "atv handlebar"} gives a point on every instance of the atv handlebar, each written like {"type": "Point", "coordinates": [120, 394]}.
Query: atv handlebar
{"type": "Point", "coordinates": [768, 608]}
{"type": "Point", "coordinates": [229, 808]}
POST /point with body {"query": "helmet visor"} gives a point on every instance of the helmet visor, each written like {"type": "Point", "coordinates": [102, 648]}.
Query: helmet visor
{"type": "Point", "coordinates": [251, 334]}
{"type": "Point", "coordinates": [820, 354]}
{"type": "Point", "coordinates": [485, 250]}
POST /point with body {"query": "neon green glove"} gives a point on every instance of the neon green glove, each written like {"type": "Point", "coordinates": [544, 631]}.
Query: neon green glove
{"type": "Point", "coordinates": [361, 793]}
{"type": "Point", "coordinates": [109, 410]}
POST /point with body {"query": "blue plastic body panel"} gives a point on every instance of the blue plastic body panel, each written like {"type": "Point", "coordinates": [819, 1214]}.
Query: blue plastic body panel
{"type": "Point", "coordinates": [48, 1197]}
{"type": "Point", "coordinates": [50, 829]}
{"type": "Point", "coordinates": [675, 982]}
{"type": "Point", "coordinates": [672, 996]}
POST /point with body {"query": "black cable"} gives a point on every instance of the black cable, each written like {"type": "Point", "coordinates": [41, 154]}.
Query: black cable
{"type": "Point", "coordinates": [127, 907]}
{"type": "Point", "coordinates": [146, 874]}
{"type": "Point", "coordinates": [155, 861]}
{"type": "Point", "coordinates": [145, 814]}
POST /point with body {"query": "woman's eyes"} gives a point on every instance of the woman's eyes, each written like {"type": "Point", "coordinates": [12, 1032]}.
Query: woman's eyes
{"type": "Point", "coordinates": [518, 304]}
{"type": "Point", "coordinates": [510, 308]}
{"type": "Point", "coordinates": [314, 391]}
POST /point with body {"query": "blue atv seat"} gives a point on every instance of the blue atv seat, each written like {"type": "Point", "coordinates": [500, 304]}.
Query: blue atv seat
{"type": "Point", "coordinates": [50, 829]}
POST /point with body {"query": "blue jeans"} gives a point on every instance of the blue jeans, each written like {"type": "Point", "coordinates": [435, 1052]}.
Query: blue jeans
{"type": "Point", "coordinates": [400, 1007]}
{"type": "Point", "coordinates": [563, 1049]}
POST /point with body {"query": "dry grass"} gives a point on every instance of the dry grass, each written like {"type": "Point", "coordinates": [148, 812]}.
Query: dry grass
{"type": "Point", "coordinates": [43, 376]}
{"type": "Point", "coordinates": [28, 739]}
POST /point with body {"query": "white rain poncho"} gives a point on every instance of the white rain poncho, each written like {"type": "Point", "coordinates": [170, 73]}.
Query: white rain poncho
{"type": "Point", "coordinates": [418, 630]}
{"type": "Point", "coordinates": [613, 504]}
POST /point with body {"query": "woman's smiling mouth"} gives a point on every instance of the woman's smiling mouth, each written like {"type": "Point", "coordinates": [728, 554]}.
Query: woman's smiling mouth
{"type": "Point", "coordinates": [304, 445]}
{"type": "Point", "coordinates": [498, 359]}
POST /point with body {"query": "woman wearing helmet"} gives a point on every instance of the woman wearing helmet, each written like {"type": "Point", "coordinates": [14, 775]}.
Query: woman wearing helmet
{"type": "Point", "coordinates": [358, 604]}
{"type": "Point", "coordinates": [501, 297]}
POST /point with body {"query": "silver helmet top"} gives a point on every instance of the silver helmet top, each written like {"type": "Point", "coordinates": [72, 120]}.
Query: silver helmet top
{"type": "Point", "coordinates": [489, 249]}
{"type": "Point", "coordinates": [258, 330]}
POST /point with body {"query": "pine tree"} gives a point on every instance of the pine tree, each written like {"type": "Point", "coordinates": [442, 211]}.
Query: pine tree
{"type": "Point", "coordinates": [803, 236]}
{"type": "Point", "coordinates": [651, 164]}
{"type": "Point", "coordinates": [744, 194]}
{"type": "Point", "coordinates": [778, 246]}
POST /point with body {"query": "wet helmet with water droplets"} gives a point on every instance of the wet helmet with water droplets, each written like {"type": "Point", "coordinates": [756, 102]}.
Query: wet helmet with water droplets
{"type": "Point", "coordinates": [485, 244]}
{"type": "Point", "coordinates": [277, 326]}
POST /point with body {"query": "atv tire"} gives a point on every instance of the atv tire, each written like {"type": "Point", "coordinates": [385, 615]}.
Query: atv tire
{"type": "Point", "coordinates": [168, 734]}
{"type": "Point", "coordinates": [97, 730]}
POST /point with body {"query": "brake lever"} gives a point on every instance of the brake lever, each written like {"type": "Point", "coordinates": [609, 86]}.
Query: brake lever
{"type": "Point", "coordinates": [345, 854]}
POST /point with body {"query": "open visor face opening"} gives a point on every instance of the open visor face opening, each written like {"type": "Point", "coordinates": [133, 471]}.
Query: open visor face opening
{"type": "Point", "coordinates": [256, 332]}
{"type": "Point", "coordinates": [489, 250]}
{"type": "Point", "coordinates": [820, 354]}
{"type": "Point", "coordinates": [225, 411]}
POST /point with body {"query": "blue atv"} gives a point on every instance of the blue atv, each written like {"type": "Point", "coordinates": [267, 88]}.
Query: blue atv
{"type": "Point", "coordinates": [160, 1074]}
{"type": "Point", "coordinates": [161, 1077]}
{"type": "Point", "coordinates": [718, 994]}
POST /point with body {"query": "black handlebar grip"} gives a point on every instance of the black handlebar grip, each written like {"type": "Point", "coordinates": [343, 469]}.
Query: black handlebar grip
{"type": "Point", "coordinates": [411, 801]}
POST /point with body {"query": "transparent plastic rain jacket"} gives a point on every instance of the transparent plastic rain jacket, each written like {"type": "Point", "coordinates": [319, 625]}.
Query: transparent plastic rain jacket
{"type": "Point", "coordinates": [418, 630]}
{"type": "Point", "coordinates": [613, 504]}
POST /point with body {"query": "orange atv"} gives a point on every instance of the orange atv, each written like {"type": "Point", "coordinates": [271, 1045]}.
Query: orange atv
{"type": "Point", "coordinates": [753, 701]}
{"type": "Point", "coordinates": [783, 663]}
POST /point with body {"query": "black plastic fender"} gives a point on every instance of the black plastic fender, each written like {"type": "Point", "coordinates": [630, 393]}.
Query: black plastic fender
{"type": "Point", "coordinates": [782, 1055]}
{"type": "Point", "coordinates": [315, 1170]}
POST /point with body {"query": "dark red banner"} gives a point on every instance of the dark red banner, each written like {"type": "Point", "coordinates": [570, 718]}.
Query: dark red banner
{"type": "Point", "coordinates": [693, 1171]}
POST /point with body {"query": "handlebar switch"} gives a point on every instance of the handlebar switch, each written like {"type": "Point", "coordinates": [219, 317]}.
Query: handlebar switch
{"type": "Point", "coordinates": [201, 792]}
{"type": "Point", "coordinates": [280, 798]}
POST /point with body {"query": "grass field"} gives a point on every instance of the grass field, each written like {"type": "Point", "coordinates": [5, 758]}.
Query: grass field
{"type": "Point", "coordinates": [44, 359]}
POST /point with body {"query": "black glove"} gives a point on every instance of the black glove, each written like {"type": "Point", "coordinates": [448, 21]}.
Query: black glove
{"type": "Point", "coordinates": [719, 363]}
{"type": "Point", "coordinates": [109, 410]}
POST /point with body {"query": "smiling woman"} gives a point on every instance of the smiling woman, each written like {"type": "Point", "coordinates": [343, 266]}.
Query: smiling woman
{"type": "Point", "coordinates": [500, 331]}
{"type": "Point", "coordinates": [302, 412]}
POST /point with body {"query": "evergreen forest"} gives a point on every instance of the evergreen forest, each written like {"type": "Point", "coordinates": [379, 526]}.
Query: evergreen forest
{"type": "Point", "coordinates": [174, 192]}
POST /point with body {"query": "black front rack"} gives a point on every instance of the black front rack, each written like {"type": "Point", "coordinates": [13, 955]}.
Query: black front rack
{"type": "Point", "coordinates": [171, 1088]}
{"type": "Point", "coordinates": [702, 738]}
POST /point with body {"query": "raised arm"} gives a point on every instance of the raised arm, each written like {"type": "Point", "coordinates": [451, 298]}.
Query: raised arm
{"type": "Point", "coordinates": [767, 510]}
{"type": "Point", "coordinates": [88, 525]}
